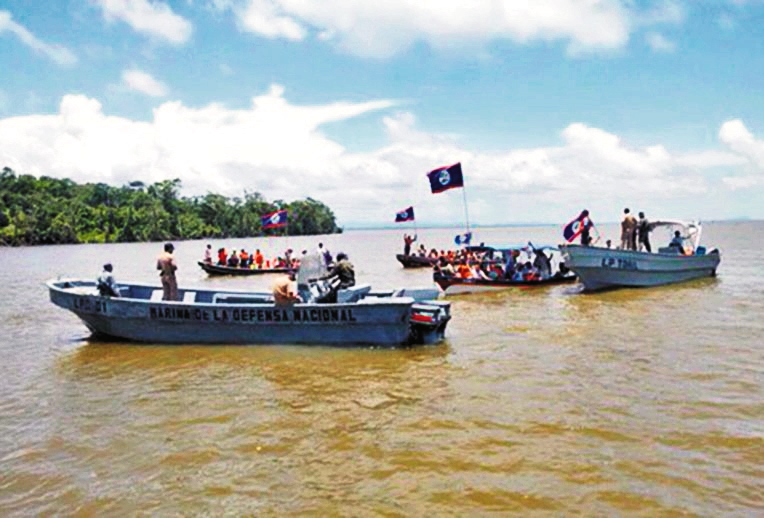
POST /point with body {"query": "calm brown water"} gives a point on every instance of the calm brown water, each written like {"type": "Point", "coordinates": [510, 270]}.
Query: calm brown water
{"type": "Point", "coordinates": [547, 402]}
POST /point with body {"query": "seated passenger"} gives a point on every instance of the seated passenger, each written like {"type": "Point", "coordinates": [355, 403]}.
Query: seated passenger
{"type": "Point", "coordinates": [529, 272]}
{"type": "Point", "coordinates": [285, 290]}
{"type": "Point", "coordinates": [440, 265]}
{"type": "Point", "coordinates": [562, 271]}
{"type": "Point", "coordinates": [463, 270]}
{"type": "Point", "coordinates": [677, 242]}
{"type": "Point", "coordinates": [233, 260]}
{"type": "Point", "coordinates": [222, 257]}
{"type": "Point", "coordinates": [243, 259]}
{"type": "Point", "coordinates": [542, 264]}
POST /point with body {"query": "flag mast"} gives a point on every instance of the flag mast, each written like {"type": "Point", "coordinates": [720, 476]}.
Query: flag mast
{"type": "Point", "coordinates": [466, 212]}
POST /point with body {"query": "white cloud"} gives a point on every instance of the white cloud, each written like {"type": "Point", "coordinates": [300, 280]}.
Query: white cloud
{"type": "Point", "coordinates": [659, 43]}
{"type": "Point", "coordinates": [741, 182]}
{"type": "Point", "coordinates": [381, 29]}
{"type": "Point", "coordinates": [143, 82]}
{"type": "Point", "coordinates": [278, 149]}
{"type": "Point", "coordinates": [155, 18]}
{"type": "Point", "coordinates": [741, 141]}
{"type": "Point", "coordinates": [710, 158]}
{"type": "Point", "coordinates": [735, 135]}
{"type": "Point", "coordinates": [264, 18]}
{"type": "Point", "coordinates": [667, 11]}
{"type": "Point", "coordinates": [59, 54]}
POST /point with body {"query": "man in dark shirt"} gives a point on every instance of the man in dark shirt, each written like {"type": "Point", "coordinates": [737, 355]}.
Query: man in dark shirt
{"type": "Point", "coordinates": [643, 229]}
{"type": "Point", "coordinates": [342, 270]}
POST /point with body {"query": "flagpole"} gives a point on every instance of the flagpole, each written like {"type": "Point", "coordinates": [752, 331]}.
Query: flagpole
{"type": "Point", "coordinates": [466, 212]}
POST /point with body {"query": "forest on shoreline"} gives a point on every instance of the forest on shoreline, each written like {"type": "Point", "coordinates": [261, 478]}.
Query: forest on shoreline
{"type": "Point", "coordinates": [45, 210]}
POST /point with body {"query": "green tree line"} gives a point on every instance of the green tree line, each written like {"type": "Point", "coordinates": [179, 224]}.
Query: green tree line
{"type": "Point", "coordinates": [48, 210]}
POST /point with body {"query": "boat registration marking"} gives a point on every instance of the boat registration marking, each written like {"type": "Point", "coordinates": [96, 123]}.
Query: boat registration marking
{"type": "Point", "coordinates": [618, 263]}
{"type": "Point", "coordinates": [89, 305]}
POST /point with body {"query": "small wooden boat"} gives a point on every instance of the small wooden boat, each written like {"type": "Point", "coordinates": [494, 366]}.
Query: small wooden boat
{"type": "Point", "coordinates": [605, 268]}
{"type": "Point", "coordinates": [456, 285]}
{"type": "Point", "coordinates": [415, 261]}
{"type": "Point", "coordinates": [359, 317]}
{"type": "Point", "coordinates": [216, 269]}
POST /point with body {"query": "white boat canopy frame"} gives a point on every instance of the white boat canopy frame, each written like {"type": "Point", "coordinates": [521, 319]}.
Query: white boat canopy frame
{"type": "Point", "coordinates": [690, 230]}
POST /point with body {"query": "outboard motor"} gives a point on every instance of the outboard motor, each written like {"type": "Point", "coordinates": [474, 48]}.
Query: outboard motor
{"type": "Point", "coordinates": [312, 266]}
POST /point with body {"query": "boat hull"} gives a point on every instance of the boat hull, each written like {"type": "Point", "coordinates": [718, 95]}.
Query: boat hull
{"type": "Point", "coordinates": [415, 261]}
{"type": "Point", "coordinates": [382, 321]}
{"type": "Point", "coordinates": [214, 269]}
{"type": "Point", "coordinates": [603, 268]}
{"type": "Point", "coordinates": [456, 285]}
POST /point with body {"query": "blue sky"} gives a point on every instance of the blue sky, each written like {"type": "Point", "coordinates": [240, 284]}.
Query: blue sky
{"type": "Point", "coordinates": [551, 105]}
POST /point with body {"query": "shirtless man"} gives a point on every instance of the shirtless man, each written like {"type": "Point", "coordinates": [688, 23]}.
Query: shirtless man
{"type": "Point", "coordinates": [167, 266]}
{"type": "Point", "coordinates": [628, 231]}
{"type": "Point", "coordinates": [285, 290]}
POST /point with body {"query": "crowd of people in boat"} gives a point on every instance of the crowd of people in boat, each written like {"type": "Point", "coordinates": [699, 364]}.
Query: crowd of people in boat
{"type": "Point", "coordinates": [256, 260]}
{"type": "Point", "coordinates": [518, 265]}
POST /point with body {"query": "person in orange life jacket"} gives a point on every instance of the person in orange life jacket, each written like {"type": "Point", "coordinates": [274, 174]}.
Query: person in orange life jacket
{"type": "Point", "coordinates": [243, 258]}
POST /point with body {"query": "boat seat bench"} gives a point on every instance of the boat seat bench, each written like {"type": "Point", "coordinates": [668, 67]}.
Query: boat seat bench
{"type": "Point", "coordinates": [238, 298]}
{"type": "Point", "coordinates": [188, 296]}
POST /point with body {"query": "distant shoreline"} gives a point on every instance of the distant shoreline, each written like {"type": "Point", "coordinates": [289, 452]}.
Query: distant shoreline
{"type": "Point", "coordinates": [407, 227]}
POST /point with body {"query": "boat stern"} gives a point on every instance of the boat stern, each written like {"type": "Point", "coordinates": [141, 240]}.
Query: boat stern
{"type": "Point", "coordinates": [428, 321]}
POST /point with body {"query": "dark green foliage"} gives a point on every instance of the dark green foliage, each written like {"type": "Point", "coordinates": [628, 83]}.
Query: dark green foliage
{"type": "Point", "coordinates": [49, 210]}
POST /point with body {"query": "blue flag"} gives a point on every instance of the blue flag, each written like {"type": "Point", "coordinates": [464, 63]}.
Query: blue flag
{"type": "Point", "coordinates": [405, 215]}
{"type": "Point", "coordinates": [446, 178]}
{"type": "Point", "coordinates": [274, 219]}
{"type": "Point", "coordinates": [463, 239]}
{"type": "Point", "coordinates": [573, 229]}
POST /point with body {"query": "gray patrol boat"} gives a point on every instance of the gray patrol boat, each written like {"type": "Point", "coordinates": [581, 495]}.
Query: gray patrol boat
{"type": "Point", "coordinates": [359, 317]}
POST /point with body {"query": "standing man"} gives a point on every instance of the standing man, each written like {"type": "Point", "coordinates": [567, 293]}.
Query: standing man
{"type": "Point", "coordinates": [208, 254]}
{"type": "Point", "coordinates": [106, 284]}
{"type": "Point", "coordinates": [167, 267]}
{"type": "Point", "coordinates": [643, 228]}
{"type": "Point", "coordinates": [628, 231]}
{"type": "Point", "coordinates": [407, 242]}
{"type": "Point", "coordinates": [586, 228]}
